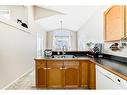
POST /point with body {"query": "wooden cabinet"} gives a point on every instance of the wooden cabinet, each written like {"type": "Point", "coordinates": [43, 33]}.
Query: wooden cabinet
{"type": "Point", "coordinates": [65, 74]}
{"type": "Point", "coordinates": [84, 73]}
{"type": "Point", "coordinates": [40, 74]}
{"type": "Point", "coordinates": [54, 74]}
{"type": "Point", "coordinates": [125, 22]}
{"type": "Point", "coordinates": [71, 73]}
{"type": "Point", "coordinates": [114, 19]}
{"type": "Point", "coordinates": [92, 77]}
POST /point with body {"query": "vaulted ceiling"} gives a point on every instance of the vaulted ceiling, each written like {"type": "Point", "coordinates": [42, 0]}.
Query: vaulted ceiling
{"type": "Point", "coordinates": [73, 17]}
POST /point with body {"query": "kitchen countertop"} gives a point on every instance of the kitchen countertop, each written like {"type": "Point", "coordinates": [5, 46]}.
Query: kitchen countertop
{"type": "Point", "coordinates": [80, 58]}
{"type": "Point", "coordinates": [116, 67]}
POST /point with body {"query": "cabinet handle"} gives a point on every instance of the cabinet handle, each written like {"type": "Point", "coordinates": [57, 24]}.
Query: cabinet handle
{"type": "Point", "coordinates": [109, 78]}
{"type": "Point", "coordinates": [64, 68]}
{"type": "Point", "coordinates": [45, 68]}
{"type": "Point", "coordinates": [48, 68]}
{"type": "Point", "coordinates": [61, 68]}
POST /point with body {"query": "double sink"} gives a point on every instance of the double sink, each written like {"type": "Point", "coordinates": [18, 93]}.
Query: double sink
{"type": "Point", "coordinates": [64, 56]}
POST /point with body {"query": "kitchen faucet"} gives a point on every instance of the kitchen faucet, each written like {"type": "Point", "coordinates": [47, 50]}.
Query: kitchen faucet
{"type": "Point", "coordinates": [63, 50]}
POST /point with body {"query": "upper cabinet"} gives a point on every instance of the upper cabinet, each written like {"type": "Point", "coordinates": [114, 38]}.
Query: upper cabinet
{"type": "Point", "coordinates": [115, 23]}
{"type": "Point", "coordinates": [125, 10]}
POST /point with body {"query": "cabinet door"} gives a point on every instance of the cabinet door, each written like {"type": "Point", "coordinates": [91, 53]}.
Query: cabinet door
{"type": "Point", "coordinates": [54, 74]}
{"type": "Point", "coordinates": [40, 74]}
{"type": "Point", "coordinates": [92, 77]}
{"type": "Point", "coordinates": [71, 74]}
{"type": "Point", "coordinates": [125, 16]}
{"type": "Point", "coordinates": [114, 23]}
{"type": "Point", "coordinates": [84, 73]}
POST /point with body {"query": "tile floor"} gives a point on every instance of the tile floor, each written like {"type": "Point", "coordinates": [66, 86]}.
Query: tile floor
{"type": "Point", "coordinates": [27, 82]}
{"type": "Point", "coordinates": [24, 83]}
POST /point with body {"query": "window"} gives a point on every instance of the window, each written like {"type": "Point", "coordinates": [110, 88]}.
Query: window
{"type": "Point", "coordinates": [61, 40]}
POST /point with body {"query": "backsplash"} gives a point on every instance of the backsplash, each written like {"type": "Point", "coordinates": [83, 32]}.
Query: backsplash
{"type": "Point", "coordinates": [116, 58]}
{"type": "Point", "coordinates": [122, 52]}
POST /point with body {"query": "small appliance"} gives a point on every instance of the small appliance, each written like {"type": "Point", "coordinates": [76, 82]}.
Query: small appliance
{"type": "Point", "coordinates": [48, 53]}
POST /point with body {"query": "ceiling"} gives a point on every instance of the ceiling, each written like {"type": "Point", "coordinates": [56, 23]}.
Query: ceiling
{"type": "Point", "coordinates": [73, 17]}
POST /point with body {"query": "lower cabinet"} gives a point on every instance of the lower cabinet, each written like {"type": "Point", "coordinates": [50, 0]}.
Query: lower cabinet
{"type": "Point", "coordinates": [65, 74]}
{"type": "Point", "coordinates": [54, 74]}
{"type": "Point", "coordinates": [40, 74]}
{"type": "Point", "coordinates": [87, 74]}
{"type": "Point", "coordinates": [84, 74]}
{"type": "Point", "coordinates": [71, 74]}
{"type": "Point", "coordinates": [92, 77]}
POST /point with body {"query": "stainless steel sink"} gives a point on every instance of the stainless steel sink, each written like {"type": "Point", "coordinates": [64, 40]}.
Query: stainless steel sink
{"type": "Point", "coordinates": [63, 56]}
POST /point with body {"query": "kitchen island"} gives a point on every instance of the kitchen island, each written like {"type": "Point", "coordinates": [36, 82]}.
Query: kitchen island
{"type": "Point", "coordinates": [78, 72]}
{"type": "Point", "coordinates": [64, 73]}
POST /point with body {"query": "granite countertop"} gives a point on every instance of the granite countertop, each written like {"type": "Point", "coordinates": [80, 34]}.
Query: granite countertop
{"type": "Point", "coordinates": [80, 58]}
{"type": "Point", "coordinates": [117, 66]}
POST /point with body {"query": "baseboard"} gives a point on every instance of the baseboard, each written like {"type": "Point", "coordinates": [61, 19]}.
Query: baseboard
{"type": "Point", "coordinates": [17, 79]}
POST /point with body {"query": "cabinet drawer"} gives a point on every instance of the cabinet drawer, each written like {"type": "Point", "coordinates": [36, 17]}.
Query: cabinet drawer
{"type": "Point", "coordinates": [71, 64]}
{"type": "Point", "coordinates": [41, 63]}
{"type": "Point", "coordinates": [54, 64]}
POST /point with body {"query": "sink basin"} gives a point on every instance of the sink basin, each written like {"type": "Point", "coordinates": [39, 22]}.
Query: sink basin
{"type": "Point", "coordinates": [64, 56]}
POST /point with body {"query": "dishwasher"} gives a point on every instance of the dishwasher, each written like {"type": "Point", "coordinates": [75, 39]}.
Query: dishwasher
{"type": "Point", "coordinates": [107, 80]}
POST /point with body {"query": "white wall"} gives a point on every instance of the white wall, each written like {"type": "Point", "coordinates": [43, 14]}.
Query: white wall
{"type": "Point", "coordinates": [17, 51]}
{"type": "Point", "coordinates": [40, 12]}
{"type": "Point", "coordinates": [15, 13]}
{"type": "Point", "coordinates": [92, 31]}
{"type": "Point", "coordinates": [74, 41]}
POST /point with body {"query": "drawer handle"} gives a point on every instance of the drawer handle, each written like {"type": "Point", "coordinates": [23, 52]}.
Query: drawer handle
{"type": "Point", "coordinates": [61, 68]}
{"type": "Point", "coordinates": [109, 78]}
{"type": "Point", "coordinates": [45, 68]}
{"type": "Point", "coordinates": [64, 68]}
{"type": "Point", "coordinates": [48, 68]}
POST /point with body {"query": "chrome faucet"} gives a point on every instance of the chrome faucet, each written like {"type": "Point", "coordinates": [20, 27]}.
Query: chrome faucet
{"type": "Point", "coordinates": [63, 50]}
